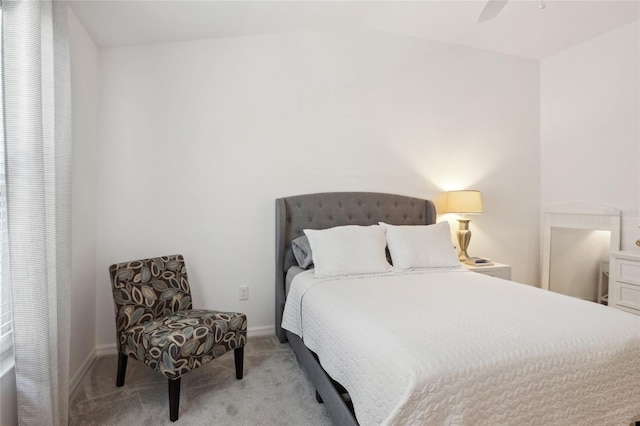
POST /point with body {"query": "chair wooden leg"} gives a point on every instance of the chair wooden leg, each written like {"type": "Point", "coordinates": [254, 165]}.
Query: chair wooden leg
{"type": "Point", "coordinates": [122, 369]}
{"type": "Point", "coordinates": [238, 355]}
{"type": "Point", "coordinates": [174, 398]}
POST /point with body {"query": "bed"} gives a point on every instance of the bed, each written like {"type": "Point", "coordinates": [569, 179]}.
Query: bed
{"type": "Point", "coordinates": [444, 345]}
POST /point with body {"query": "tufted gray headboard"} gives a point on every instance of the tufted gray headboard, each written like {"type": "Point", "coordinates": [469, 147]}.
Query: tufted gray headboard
{"type": "Point", "coordinates": [326, 210]}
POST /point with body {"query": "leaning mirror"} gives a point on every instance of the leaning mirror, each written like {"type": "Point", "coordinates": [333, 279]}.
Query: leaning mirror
{"type": "Point", "coordinates": [577, 241]}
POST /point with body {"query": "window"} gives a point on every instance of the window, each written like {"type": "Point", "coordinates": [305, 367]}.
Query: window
{"type": "Point", "coordinates": [5, 291]}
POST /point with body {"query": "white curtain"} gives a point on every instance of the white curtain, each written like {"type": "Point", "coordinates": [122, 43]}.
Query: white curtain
{"type": "Point", "coordinates": [37, 111]}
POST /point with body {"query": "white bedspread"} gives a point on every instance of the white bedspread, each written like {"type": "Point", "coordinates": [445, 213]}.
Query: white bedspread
{"type": "Point", "coordinates": [460, 348]}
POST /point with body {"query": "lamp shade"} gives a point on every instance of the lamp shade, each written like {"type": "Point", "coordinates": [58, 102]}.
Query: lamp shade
{"type": "Point", "coordinates": [464, 202]}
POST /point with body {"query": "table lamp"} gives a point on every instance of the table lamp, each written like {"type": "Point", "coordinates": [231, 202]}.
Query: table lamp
{"type": "Point", "coordinates": [464, 202]}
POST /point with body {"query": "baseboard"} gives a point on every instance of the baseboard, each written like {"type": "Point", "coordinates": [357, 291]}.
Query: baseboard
{"type": "Point", "coordinates": [108, 349]}
{"type": "Point", "coordinates": [84, 367]}
{"type": "Point", "coordinates": [263, 330]}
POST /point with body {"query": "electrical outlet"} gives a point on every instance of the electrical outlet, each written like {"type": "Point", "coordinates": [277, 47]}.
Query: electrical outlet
{"type": "Point", "coordinates": [244, 292]}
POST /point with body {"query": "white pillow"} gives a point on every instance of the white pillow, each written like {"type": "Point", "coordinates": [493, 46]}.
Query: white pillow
{"type": "Point", "coordinates": [348, 250]}
{"type": "Point", "coordinates": [421, 246]}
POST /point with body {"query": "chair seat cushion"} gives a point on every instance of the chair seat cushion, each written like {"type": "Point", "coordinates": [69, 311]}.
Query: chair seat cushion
{"type": "Point", "coordinates": [184, 340]}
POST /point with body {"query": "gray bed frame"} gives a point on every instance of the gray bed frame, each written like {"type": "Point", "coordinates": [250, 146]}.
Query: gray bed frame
{"type": "Point", "coordinates": [321, 211]}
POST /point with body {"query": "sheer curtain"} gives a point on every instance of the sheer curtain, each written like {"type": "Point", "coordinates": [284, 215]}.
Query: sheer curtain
{"type": "Point", "coordinates": [37, 110]}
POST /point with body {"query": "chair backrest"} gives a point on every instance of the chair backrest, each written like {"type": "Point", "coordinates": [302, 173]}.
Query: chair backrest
{"type": "Point", "coordinates": [148, 288]}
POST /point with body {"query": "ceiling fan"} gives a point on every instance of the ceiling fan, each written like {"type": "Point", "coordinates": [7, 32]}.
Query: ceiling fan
{"type": "Point", "coordinates": [494, 7]}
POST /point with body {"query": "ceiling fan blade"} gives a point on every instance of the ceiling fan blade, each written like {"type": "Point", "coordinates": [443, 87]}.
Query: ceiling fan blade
{"type": "Point", "coordinates": [491, 9]}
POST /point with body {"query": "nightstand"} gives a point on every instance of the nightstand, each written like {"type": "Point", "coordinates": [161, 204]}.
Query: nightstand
{"type": "Point", "coordinates": [498, 270]}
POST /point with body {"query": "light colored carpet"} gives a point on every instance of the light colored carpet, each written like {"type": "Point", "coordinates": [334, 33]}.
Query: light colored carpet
{"type": "Point", "coordinates": [274, 391]}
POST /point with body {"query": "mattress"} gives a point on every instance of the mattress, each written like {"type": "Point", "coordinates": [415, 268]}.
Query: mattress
{"type": "Point", "coordinates": [460, 348]}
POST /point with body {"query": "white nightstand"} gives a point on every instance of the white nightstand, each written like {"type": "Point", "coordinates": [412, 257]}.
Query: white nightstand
{"type": "Point", "coordinates": [498, 270]}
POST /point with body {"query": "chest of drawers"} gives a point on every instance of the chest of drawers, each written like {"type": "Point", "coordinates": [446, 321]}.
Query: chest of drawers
{"type": "Point", "coordinates": [624, 291]}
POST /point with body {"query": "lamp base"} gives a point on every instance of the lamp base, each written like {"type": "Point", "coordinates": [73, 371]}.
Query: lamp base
{"type": "Point", "coordinates": [464, 237]}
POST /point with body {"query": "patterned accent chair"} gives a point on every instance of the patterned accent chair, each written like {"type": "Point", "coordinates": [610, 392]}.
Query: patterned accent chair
{"type": "Point", "coordinates": [157, 325]}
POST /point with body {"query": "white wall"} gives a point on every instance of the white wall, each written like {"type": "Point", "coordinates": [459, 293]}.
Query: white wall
{"type": "Point", "coordinates": [9, 400]}
{"type": "Point", "coordinates": [590, 126]}
{"type": "Point", "coordinates": [84, 89]}
{"type": "Point", "coordinates": [198, 138]}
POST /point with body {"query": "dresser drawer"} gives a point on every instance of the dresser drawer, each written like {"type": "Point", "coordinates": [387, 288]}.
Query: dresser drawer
{"type": "Point", "coordinates": [628, 271]}
{"type": "Point", "coordinates": [628, 295]}
{"type": "Point", "coordinates": [624, 287]}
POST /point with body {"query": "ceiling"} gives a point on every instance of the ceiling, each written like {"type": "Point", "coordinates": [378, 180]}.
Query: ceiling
{"type": "Point", "coordinates": [520, 29]}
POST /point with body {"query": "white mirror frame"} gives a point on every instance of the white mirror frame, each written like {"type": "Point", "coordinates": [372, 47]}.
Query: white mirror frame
{"type": "Point", "coordinates": [594, 217]}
